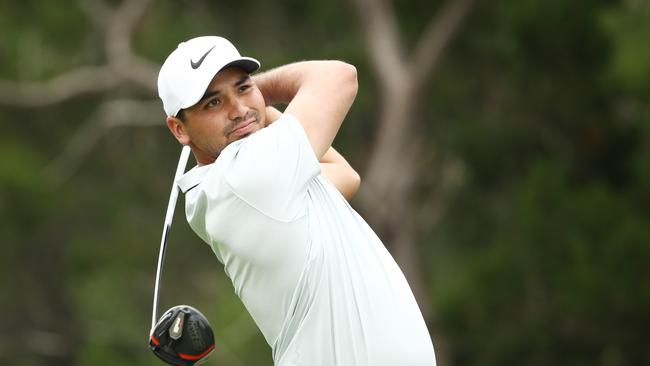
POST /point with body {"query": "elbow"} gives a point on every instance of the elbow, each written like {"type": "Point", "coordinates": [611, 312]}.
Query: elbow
{"type": "Point", "coordinates": [354, 82]}
{"type": "Point", "coordinates": [351, 73]}
{"type": "Point", "coordinates": [357, 182]}
{"type": "Point", "coordinates": [348, 75]}
{"type": "Point", "coordinates": [354, 182]}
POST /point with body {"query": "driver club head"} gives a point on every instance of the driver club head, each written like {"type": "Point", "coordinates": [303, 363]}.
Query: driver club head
{"type": "Point", "coordinates": [182, 336]}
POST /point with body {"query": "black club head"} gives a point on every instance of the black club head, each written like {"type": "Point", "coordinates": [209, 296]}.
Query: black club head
{"type": "Point", "coordinates": [183, 336]}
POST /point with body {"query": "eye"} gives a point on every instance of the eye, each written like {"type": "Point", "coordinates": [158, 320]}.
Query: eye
{"type": "Point", "coordinates": [213, 102]}
{"type": "Point", "coordinates": [243, 88]}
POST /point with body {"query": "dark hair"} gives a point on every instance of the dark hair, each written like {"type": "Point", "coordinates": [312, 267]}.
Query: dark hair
{"type": "Point", "coordinates": [181, 115]}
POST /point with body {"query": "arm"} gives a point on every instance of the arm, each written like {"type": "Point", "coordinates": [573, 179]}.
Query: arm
{"type": "Point", "coordinates": [335, 168]}
{"type": "Point", "coordinates": [319, 94]}
{"type": "Point", "coordinates": [333, 165]}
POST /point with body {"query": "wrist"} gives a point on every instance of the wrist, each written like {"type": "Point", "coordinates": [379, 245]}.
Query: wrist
{"type": "Point", "coordinates": [279, 85]}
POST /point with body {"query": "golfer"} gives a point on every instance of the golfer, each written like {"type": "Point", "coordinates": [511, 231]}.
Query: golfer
{"type": "Point", "coordinates": [269, 197]}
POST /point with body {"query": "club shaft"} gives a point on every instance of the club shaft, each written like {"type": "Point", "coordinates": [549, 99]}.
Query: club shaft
{"type": "Point", "coordinates": [173, 197]}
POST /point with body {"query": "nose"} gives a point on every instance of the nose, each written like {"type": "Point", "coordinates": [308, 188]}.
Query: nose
{"type": "Point", "coordinates": [237, 109]}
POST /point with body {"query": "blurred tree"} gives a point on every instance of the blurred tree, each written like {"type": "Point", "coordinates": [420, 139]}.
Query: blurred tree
{"type": "Point", "coordinates": [387, 196]}
{"type": "Point", "coordinates": [389, 192]}
{"type": "Point", "coordinates": [525, 204]}
{"type": "Point", "coordinates": [550, 231]}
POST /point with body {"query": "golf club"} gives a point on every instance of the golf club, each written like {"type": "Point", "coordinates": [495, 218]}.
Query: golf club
{"type": "Point", "coordinates": [183, 336]}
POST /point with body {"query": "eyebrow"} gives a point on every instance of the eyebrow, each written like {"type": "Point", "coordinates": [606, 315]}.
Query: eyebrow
{"type": "Point", "coordinates": [207, 95]}
{"type": "Point", "coordinates": [212, 93]}
{"type": "Point", "coordinates": [243, 80]}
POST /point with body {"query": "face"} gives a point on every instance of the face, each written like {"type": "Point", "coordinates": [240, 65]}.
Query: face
{"type": "Point", "coordinates": [231, 109]}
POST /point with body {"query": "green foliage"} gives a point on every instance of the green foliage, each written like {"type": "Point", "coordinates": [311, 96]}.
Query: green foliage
{"type": "Point", "coordinates": [558, 283]}
{"type": "Point", "coordinates": [629, 29]}
{"type": "Point", "coordinates": [539, 259]}
{"type": "Point", "coordinates": [40, 38]}
{"type": "Point", "coordinates": [550, 230]}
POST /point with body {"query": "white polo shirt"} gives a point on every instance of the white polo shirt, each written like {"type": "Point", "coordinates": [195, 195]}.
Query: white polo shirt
{"type": "Point", "coordinates": [315, 278]}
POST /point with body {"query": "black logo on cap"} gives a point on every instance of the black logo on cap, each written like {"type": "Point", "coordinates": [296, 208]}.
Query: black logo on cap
{"type": "Point", "coordinates": [195, 65]}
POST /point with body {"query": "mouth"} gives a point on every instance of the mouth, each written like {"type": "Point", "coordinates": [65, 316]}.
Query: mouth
{"type": "Point", "coordinates": [244, 128]}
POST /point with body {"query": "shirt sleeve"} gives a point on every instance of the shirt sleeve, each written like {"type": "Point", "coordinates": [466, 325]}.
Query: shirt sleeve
{"type": "Point", "coordinates": [273, 168]}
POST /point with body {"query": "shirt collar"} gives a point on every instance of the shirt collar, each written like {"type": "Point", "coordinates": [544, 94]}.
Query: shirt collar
{"type": "Point", "coordinates": [192, 178]}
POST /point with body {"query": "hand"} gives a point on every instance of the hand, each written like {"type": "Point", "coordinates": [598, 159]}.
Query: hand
{"type": "Point", "coordinates": [272, 115]}
{"type": "Point", "coordinates": [318, 93]}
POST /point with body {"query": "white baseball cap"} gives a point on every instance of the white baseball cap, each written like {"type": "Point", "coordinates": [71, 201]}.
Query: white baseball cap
{"type": "Point", "coordinates": [190, 68]}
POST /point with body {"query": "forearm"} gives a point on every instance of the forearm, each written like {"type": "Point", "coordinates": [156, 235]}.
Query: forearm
{"type": "Point", "coordinates": [281, 84]}
{"type": "Point", "coordinates": [335, 79]}
{"type": "Point", "coordinates": [338, 171]}
{"type": "Point", "coordinates": [318, 93]}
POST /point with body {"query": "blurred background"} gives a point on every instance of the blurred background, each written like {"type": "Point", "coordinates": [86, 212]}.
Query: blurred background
{"type": "Point", "coordinates": [504, 148]}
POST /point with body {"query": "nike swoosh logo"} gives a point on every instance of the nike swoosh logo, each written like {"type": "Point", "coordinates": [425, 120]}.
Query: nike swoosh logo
{"type": "Point", "coordinates": [195, 65]}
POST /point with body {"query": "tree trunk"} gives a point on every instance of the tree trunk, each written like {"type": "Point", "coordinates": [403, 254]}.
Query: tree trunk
{"type": "Point", "coordinates": [387, 197]}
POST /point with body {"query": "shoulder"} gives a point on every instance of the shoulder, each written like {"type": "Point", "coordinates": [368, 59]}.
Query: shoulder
{"type": "Point", "coordinates": [287, 124]}
{"type": "Point", "coordinates": [276, 149]}
{"type": "Point", "coordinates": [271, 169]}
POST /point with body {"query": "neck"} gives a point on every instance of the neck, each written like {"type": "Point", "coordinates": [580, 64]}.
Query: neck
{"type": "Point", "coordinates": [203, 158]}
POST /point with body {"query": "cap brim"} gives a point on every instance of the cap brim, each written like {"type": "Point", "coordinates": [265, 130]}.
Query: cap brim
{"type": "Point", "coordinates": [248, 64]}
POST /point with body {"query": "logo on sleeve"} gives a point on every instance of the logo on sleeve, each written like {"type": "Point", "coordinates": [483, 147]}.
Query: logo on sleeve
{"type": "Point", "coordinates": [195, 65]}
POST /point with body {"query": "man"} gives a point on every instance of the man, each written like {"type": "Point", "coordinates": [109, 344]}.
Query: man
{"type": "Point", "coordinates": [269, 196]}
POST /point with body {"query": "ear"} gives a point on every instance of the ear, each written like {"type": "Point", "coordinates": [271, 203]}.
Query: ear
{"type": "Point", "coordinates": [178, 129]}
